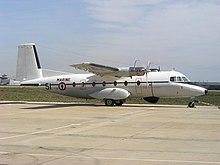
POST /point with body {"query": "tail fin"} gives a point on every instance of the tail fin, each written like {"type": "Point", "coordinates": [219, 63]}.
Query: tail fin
{"type": "Point", "coordinates": [28, 64]}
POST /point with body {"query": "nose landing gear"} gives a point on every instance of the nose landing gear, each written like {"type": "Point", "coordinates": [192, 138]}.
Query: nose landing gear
{"type": "Point", "coordinates": [192, 103]}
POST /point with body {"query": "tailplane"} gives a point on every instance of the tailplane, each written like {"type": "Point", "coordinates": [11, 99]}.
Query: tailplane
{"type": "Point", "coordinates": [28, 63]}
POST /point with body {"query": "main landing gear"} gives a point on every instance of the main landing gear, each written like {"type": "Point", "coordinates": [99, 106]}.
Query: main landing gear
{"type": "Point", "coordinates": [111, 102]}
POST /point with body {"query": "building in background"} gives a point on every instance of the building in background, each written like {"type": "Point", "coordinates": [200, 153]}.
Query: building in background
{"type": "Point", "coordinates": [4, 80]}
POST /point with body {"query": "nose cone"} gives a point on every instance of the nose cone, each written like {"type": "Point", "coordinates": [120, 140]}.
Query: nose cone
{"type": "Point", "coordinates": [194, 90]}
{"type": "Point", "coordinates": [198, 91]}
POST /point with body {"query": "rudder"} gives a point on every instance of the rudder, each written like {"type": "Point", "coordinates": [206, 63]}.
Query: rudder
{"type": "Point", "coordinates": [28, 63]}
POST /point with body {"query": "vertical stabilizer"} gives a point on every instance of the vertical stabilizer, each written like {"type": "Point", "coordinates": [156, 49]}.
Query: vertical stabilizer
{"type": "Point", "coordinates": [28, 63]}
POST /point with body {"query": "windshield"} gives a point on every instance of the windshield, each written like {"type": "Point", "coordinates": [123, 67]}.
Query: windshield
{"type": "Point", "coordinates": [179, 79]}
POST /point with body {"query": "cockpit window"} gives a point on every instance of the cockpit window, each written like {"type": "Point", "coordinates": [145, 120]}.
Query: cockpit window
{"type": "Point", "coordinates": [185, 79]}
{"type": "Point", "coordinates": [178, 79]}
{"type": "Point", "coordinates": [173, 79]}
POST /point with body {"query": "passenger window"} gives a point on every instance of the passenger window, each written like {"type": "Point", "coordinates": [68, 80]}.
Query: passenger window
{"type": "Point", "coordinates": [103, 83]}
{"type": "Point", "coordinates": [125, 83]}
{"type": "Point", "coordinates": [82, 84]}
{"type": "Point", "coordinates": [93, 83]}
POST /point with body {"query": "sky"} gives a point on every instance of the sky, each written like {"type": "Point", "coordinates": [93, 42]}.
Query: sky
{"type": "Point", "coordinates": [174, 34]}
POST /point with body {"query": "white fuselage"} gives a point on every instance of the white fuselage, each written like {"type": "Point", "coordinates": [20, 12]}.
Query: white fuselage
{"type": "Point", "coordinates": [111, 84]}
{"type": "Point", "coordinates": [153, 84]}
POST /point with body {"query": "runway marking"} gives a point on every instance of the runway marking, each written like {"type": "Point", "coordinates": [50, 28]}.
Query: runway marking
{"type": "Point", "coordinates": [114, 158]}
{"type": "Point", "coordinates": [37, 132]}
{"type": "Point", "coordinates": [66, 126]}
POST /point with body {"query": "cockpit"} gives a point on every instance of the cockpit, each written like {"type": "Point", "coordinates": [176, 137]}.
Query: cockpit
{"type": "Point", "coordinates": [179, 79]}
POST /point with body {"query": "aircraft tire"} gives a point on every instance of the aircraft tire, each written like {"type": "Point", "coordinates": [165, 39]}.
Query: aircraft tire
{"type": "Point", "coordinates": [118, 102]}
{"type": "Point", "coordinates": [109, 102]}
{"type": "Point", "coordinates": [191, 104]}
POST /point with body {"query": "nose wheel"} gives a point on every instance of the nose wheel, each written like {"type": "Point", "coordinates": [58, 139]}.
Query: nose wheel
{"type": "Point", "coordinates": [192, 102]}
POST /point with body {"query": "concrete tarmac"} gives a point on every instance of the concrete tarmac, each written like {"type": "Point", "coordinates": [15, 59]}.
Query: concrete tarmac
{"type": "Point", "coordinates": [87, 134]}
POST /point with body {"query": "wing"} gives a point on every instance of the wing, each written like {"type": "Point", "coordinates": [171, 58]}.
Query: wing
{"type": "Point", "coordinates": [98, 69]}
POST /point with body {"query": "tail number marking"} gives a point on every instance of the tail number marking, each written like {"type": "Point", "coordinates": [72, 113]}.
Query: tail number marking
{"type": "Point", "coordinates": [47, 86]}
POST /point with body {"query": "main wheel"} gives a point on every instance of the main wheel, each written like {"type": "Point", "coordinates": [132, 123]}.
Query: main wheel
{"type": "Point", "coordinates": [109, 102]}
{"type": "Point", "coordinates": [118, 102]}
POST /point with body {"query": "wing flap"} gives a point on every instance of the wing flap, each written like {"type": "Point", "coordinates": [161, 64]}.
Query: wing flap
{"type": "Point", "coordinates": [98, 69]}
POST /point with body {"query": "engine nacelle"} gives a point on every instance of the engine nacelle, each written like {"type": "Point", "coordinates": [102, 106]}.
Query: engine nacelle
{"type": "Point", "coordinates": [137, 71]}
{"type": "Point", "coordinates": [131, 71]}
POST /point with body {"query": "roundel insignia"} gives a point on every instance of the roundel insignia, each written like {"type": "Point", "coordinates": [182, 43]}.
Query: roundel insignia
{"type": "Point", "coordinates": [62, 86]}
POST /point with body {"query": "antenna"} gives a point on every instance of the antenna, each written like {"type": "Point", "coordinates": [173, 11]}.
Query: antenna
{"type": "Point", "coordinates": [135, 63]}
{"type": "Point", "coordinates": [148, 64]}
